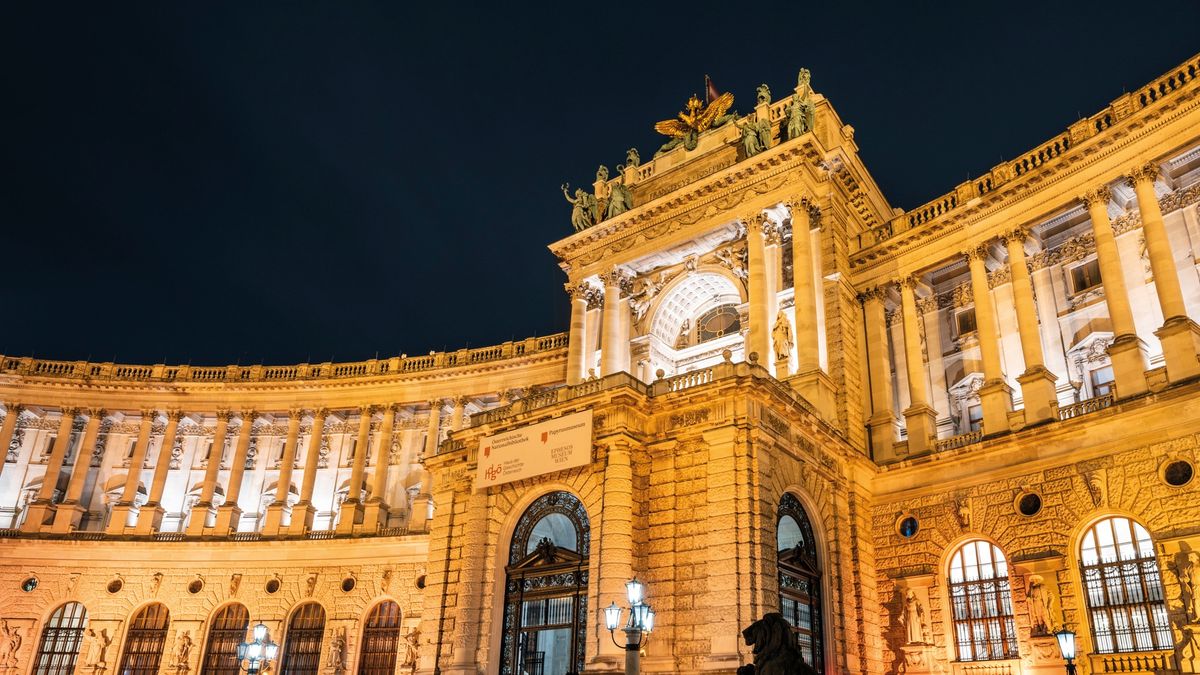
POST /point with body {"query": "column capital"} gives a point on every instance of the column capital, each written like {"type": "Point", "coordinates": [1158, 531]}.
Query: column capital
{"type": "Point", "coordinates": [148, 415]}
{"type": "Point", "coordinates": [976, 252]}
{"type": "Point", "coordinates": [367, 409]}
{"type": "Point", "coordinates": [224, 415]}
{"type": "Point", "coordinates": [320, 411]}
{"type": "Point", "coordinates": [871, 293]}
{"type": "Point", "coordinates": [95, 413]}
{"type": "Point", "coordinates": [248, 416]}
{"type": "Point", "coordinates": [907, 282]}
{"type": "Point", "coordinates": [578, 291]}
{"type": "Point", "coordinates": [174, 415]}
{"type": "Point", "coordinates": [461, 401]}
{"type": "Point", "coordinates": [616, 276]}
{"type": "Point", "coordinates": [388, 408]}
{"type": "Point", "coordinates": [1018, 234]}
{"type": "Point", "coordinates": [437, 404]}
{"type": "Point", "coordinates": [754, 221]}
{"type": "Point", "coordinates": [1101, 195]}
{"type": "Point", "coordinates": [295, 413]}
{"type": "Point", "coordinates": [13, 406]}
{"type": "Point", "coordinates": [70, 411]}
{"type": "Point", "coordinates": [1144, 173]}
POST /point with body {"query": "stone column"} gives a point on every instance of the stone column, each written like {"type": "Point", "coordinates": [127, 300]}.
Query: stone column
{"type": "Point", "coordinates": [1037, 382]}
{"type": "Point", "coordinates": [577, 339]}
{"type": "Point", "coordinates": [1051, 333]}
{"type": "Point", "coordinates": [1127, 351]}
{"type": "Point", "coordinates": [230, 513]}
{"type": "Point", "coordinates": [456, 417]}
{"type": "Point", "coordinates": [1180, 336]}
{"type": "Point", "coordinates": [420, 506]}
{"type": "Point", "coordinates": [40, 510]}
{"type": "Point", "coordinates": [69, 513]}
{"type": "Point", "coordinates": [304, 509]}
{"type": "Point", "coordinates": [279, 511]}
{"type": "Point", "coordinates": [127, 507]}
{"type": "Point", "coordinates": [8, 429]}
{"type": "Point", "coordinates": [879, 370]}
{"type": "Point", "coordinates": [204, 513]}
{"type": "Point", "coordinates": [151, 515]}
{"type": "Point", "coordinates": [939, 395]}
{"type": "Point", "coordinates": [807, 338]}
{"type": "Point", "coordinates": [920, 417]}
{"type": "Point", "coordinates": [352, 508]}
{"type": "Point", "coordinates": [472, 587]}
{"type": "Point", "coordinates": [614, 357]}
{"type": "Point", "coordinates": [377, 506]}
{"type": "Point", "coordinates": [614, 546]}
{"type": "Point", "coordinates": [994, 395]}
{"type": "Point", "coordinates": [759, 341]}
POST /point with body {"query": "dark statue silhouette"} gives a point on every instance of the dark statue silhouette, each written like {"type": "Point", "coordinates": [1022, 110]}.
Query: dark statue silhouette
{"type": "Point", "coordinates": [775, 651]}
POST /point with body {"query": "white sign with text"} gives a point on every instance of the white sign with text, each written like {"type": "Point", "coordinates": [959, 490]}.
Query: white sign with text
{"type": "Point", "coordinates": [562, 443]}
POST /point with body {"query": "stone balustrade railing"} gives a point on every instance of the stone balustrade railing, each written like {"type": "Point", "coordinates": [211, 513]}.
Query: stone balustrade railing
{"type": "Point", "coordinates": [397, 365]}
{"type": "Point", "coordinates": [969, 191]}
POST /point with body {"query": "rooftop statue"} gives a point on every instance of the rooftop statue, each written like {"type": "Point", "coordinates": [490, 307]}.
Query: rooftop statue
{"type": "Point", "coordinates": [764, 94]}
{"type": "Point", "coordinates": [632, 158]}
{"type": "Point", "coordinates": [696, 118]}
{"type": "Point", "coordinates": [602, 173]}
{"type": "Point", "coordinates": [800, 113]}
{"type": "Point", "coordinates": [620, 199]}
{"type": "Point", "coordinates": [802, 79]}
{"type": "Point", "coordinates": [586, 211]}
{"type": "Point", "coordinates": [756, 136]}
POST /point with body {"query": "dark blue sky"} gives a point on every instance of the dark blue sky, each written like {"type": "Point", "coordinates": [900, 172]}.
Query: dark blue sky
{"type": "Point", "coordinates": [281, 182]}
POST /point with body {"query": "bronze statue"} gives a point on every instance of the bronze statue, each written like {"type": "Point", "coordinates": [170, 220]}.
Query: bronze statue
{"type": "Point", "coordinates": [632, 158]}
{"type": "Point", "coordinates": [620, 200]}
{"type": "Point", "coordinates": [799, 117]}
{"type": "Point", "coordinates": [756, 137]}
{"type": "Point", "coordinates": [602, 173]}
{"type": "Point", "coordinates": [586, 209]}
{"type": "Point", "coordinates": [775, 650]}
{"type": "Point", "coordinates": [696, 118]}
{"type": "Point", "coordinates": [764, 94]}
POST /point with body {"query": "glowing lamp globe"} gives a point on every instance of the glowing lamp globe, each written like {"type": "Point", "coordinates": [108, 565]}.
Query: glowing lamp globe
{"type": "Point", "coordinates": [1066, 644]}
{"type": "Point", "coordinates": [612, 616]}
{"type": "Point", "coordinates": [260, 632]}
{"type": "Point", "coordinates": [648, 620]}
{"type": "Point", "coordinates": [271, 650]}
{"type": "Point", "coordinates": [636, 591]}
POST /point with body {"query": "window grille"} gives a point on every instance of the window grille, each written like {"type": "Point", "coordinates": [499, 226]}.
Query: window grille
{"type": "Point", "coordinates": [227, 631]}
{"type": "Point", "coordinates": [302, 644]}
{"type": "Point", "coordinates": [145, 641]}
{"type": "Point", "coordinates": [800, 580]}
{"type": "Point", "coordinates": [1123, 588]}
{"type": "Point", "coordinates": [61, 639]}
{"type": "Point", "coordinates": [981, 603]}
{"type": "Point", "coordinates": [381, 640]}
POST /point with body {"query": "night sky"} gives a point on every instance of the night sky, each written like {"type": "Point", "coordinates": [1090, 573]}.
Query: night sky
{"type": "Point", "coordinates": [288, 182]}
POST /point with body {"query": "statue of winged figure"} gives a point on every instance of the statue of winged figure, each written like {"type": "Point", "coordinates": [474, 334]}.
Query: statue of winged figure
{"type": "Point", "coordinates": [585, 211]}
{"type": "Point", "coordinates": [697, 118]}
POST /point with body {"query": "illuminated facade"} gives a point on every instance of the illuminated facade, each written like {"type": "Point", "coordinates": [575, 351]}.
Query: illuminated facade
{"type": "Point", "coordinates": [930, 438]}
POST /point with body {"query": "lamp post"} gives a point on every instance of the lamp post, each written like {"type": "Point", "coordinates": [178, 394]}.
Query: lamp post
{"type": "Point", "coordinates": [259, 653]}
{"type": "Point", "coordinates": [639, 626]}
{"type": "Point", "coordinates": [1066, 647]}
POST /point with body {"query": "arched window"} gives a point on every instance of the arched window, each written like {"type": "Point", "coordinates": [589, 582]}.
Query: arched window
{"type": "Point", "coordinates": [1123, 587]}
{"type": "Point", "coordinates": [381, 639]}
{"type": "Point", "coordinates": [145, 641]}
{"type": "Point", "coordinates": [227, 631]}
{"type": "Point", "coordinates": [981, 603]}
{"type": "Point", "coordinates": [302, 643]}
{"type": "Point", "coordinates": [545, 592]}
{"type": "Point", "coordinates": [800, 579]}
{"type": "Point", "coordinates": [61, 638]}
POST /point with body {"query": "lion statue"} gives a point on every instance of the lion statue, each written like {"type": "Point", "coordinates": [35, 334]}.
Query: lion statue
{"type": "Point", "coordinates": [775, 651]}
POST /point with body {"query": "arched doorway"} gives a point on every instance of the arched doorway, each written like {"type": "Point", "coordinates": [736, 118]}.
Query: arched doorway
{"type": "Point", "coordinates": [545, 590]}
{"type": "Point", "coordinates": [800, 580]}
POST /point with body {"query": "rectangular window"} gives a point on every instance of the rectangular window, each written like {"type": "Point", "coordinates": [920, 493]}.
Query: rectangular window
{"type": "Point", "coordinates": [1102, 381]}
{"type": "Point", "coordinates": [966, 321]}
{"type": "Point", "coordinates": [1085, 276]}
{"type": "Point", "coordinates": [974, 417]}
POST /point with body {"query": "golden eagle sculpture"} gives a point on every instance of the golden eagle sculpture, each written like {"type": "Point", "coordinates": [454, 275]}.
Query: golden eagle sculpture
{"type": "Point", "coordinates": [697, 118]}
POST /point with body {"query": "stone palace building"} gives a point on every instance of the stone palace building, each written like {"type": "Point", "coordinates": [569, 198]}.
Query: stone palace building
{"type": "Point", "coordinates": [929, 437]}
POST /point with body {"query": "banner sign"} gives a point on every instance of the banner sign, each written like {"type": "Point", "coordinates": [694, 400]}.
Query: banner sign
{"type": "Point", "coordinates": [554, 445]}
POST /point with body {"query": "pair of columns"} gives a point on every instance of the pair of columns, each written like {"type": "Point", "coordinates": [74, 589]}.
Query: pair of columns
{"type": "Point", "coordinates": [1179, 335]}
{"type": "Point", "coordinates": [615, 325]}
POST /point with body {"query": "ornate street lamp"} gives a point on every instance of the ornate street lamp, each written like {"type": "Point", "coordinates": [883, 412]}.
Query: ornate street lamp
{"type": "Point", "coordinates": [1066, 647]}
{"type": "Point", "coordinates": [259, 653]}
{"type": "Point", "coordinates": [639, 626]}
